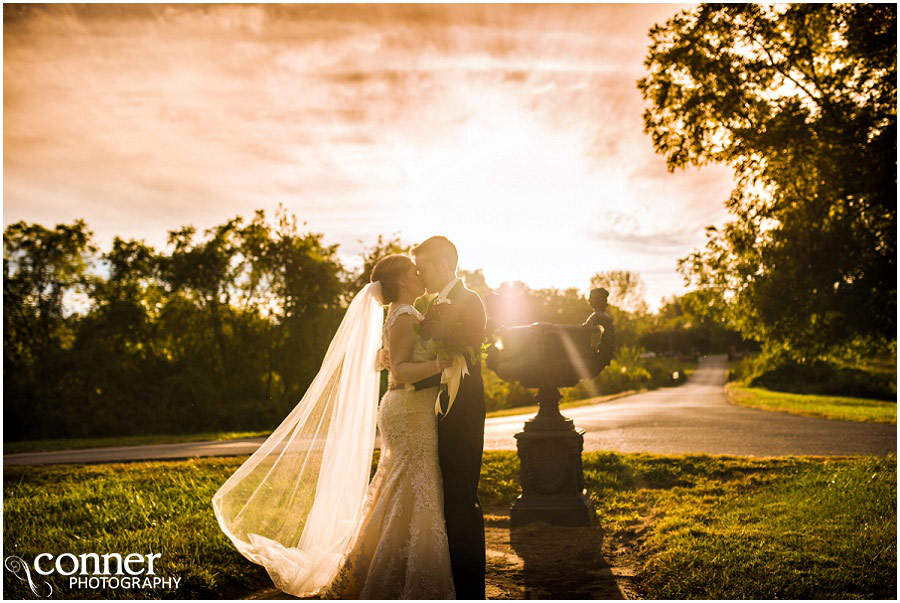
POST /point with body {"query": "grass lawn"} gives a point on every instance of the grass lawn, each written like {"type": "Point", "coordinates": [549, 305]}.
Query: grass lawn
{"type": "Point", "coordinates": [699, 526]}
{"type": "Point", "coordinates": [828, 407]}
{"type": "Point", "coordinates": [75, 443]}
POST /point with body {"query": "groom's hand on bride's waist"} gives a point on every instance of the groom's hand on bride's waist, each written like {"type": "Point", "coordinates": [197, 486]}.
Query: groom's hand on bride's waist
{"type": "Point", "coordinates": [384, 357]}
{"type": "Point", "coordinates": [428, 382]}
{"type": "Point", "coordinates": [434, 379]}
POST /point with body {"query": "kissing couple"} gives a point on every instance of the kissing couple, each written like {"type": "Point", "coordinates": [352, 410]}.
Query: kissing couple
{"type": "Point", "coordinates": [302, 505]}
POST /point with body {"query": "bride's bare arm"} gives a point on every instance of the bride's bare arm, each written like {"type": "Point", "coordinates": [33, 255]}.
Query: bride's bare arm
{"type": "Point", "coordinates": [401, 339]}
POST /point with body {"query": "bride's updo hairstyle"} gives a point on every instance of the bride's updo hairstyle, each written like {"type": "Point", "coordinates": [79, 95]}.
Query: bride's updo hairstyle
{"type": "Point", "coordinates": [389, 271]}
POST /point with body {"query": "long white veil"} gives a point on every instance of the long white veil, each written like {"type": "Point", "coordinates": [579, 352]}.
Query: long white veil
{"type": "Point", "coordinates": [293, 505]}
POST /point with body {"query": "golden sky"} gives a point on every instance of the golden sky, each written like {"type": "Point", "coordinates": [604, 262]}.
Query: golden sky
{"type": "Point", "coordinates": [514, 130]}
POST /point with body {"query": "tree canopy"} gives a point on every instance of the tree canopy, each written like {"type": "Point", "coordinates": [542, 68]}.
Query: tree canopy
{"type": "Point", "coordinates": [223, 329]}
{"type": "Point", "coordinates": [800, 100]}
{"type": "Point", "coordinates": [626, 289]}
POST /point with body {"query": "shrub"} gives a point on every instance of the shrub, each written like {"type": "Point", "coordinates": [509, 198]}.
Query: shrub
{"type": "Point", "coordinates": [820, 377]}
{"type": "Point", "coordinates": [500, 394]}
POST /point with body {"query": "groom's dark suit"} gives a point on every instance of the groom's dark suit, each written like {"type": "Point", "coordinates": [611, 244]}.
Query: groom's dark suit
{"type": "Point", "coordinates": [460, 447]}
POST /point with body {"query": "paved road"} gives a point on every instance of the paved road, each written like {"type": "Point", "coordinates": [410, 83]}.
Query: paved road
{"type": "Point", "coordinates": [693, 417]}
{"type": "Point", "coordinates": [144, 452]}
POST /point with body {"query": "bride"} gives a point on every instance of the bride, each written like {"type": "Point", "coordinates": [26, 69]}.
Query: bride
{"type": "Point", "coordinates": [302, 506]}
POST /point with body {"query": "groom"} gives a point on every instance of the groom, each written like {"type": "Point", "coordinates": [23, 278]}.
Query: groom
{"type": "Point", "coordinates": [460, 431]}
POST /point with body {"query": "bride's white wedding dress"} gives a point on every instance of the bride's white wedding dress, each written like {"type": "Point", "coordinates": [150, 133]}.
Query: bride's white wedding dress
{"type": "Point", "coordinates": [399, 550]}
{"type": "Point", "coordinates": [302, 505]}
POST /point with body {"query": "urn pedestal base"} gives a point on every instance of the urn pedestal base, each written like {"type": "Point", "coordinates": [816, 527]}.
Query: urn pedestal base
{"type": "Point", "coordinates": [572, 511]}
{"type": "Point", "coordinates": [551, 474]}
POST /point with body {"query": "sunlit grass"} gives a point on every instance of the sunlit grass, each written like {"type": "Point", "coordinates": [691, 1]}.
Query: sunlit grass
{"type": "Point", "coordinates": [809, 530]}
{"type": "Point", "coordinates": [721, 527]}
{"type": "Point", "coordinates": [702, 526]}
{"type": "Point", "coordinates": [828, 407]}
{"type": "Point", "coordinates": [157, 507]}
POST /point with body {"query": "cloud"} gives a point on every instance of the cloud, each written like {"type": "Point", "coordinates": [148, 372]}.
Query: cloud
{"type": "Point", "coordinates": [141, 118]}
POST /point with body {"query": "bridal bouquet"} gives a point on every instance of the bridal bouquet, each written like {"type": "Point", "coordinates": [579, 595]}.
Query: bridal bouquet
{"type": "Point", "coordinates": [455, 341]}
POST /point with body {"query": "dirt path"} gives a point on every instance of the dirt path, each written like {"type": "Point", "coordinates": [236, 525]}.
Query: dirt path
{"type": "Point", "coordinates": [546, 562]}
{"type": "Point", "coordinates": [540, 561]}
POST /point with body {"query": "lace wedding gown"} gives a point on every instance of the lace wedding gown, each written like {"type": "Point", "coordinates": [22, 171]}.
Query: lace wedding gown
{"type": "Point", "coordinates": [400, 547]}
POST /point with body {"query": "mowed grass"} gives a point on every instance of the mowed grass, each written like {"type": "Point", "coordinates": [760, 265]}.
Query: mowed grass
{"type": "Point", "coordinates": [80, 443]}
{"type": "Point", "coordinates": [828, 407]}
{"type": "Point", "coordinates": [156, 507]}
{"type": "Point", "coordinates": [706, 527]}
{"type": "Point", "coordinates": [764, 529]}
{"type": "Point", "coordinates": [699, 526]}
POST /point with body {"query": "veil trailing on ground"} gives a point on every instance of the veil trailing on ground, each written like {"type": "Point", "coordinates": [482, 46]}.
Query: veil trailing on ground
{"type": "Point", "coordinates": [293, 505]}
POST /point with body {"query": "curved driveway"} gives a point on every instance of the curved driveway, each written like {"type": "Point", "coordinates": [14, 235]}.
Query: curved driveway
{"type": "Point", "coordinates": [693, 417]}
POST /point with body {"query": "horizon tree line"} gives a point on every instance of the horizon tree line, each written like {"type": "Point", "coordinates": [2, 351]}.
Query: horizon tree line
{"type": "Point", "coordinates": [224, 330]}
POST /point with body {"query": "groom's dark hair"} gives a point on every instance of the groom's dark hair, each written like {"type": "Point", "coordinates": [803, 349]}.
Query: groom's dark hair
{"type": "Point", "coordinates": [439, 247]}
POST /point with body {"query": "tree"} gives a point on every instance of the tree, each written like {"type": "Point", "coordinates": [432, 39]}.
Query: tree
{"type": "Point", "coordinates": [688, 325]}
{"type": "Point", "coordinates": [129, 299]}
{"type": "Point", "coordinates": [306, 284]}
{"type": "Point", "coordinates": [474, 280]}
{"type": "Point", "coordinates": [206, 271]}
{"type": "Point", "coordinates": [627, 290]}
{"type": "Point", "coordinates": [41, 267]}
{"type": "Point", "coordinates": [800, 100]}
{"type": "Point", "coordinates": [370, 256]}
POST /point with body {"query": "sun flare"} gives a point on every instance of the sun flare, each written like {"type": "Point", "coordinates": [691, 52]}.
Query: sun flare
{"type": "Point", "coordinates": [519, 196]}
